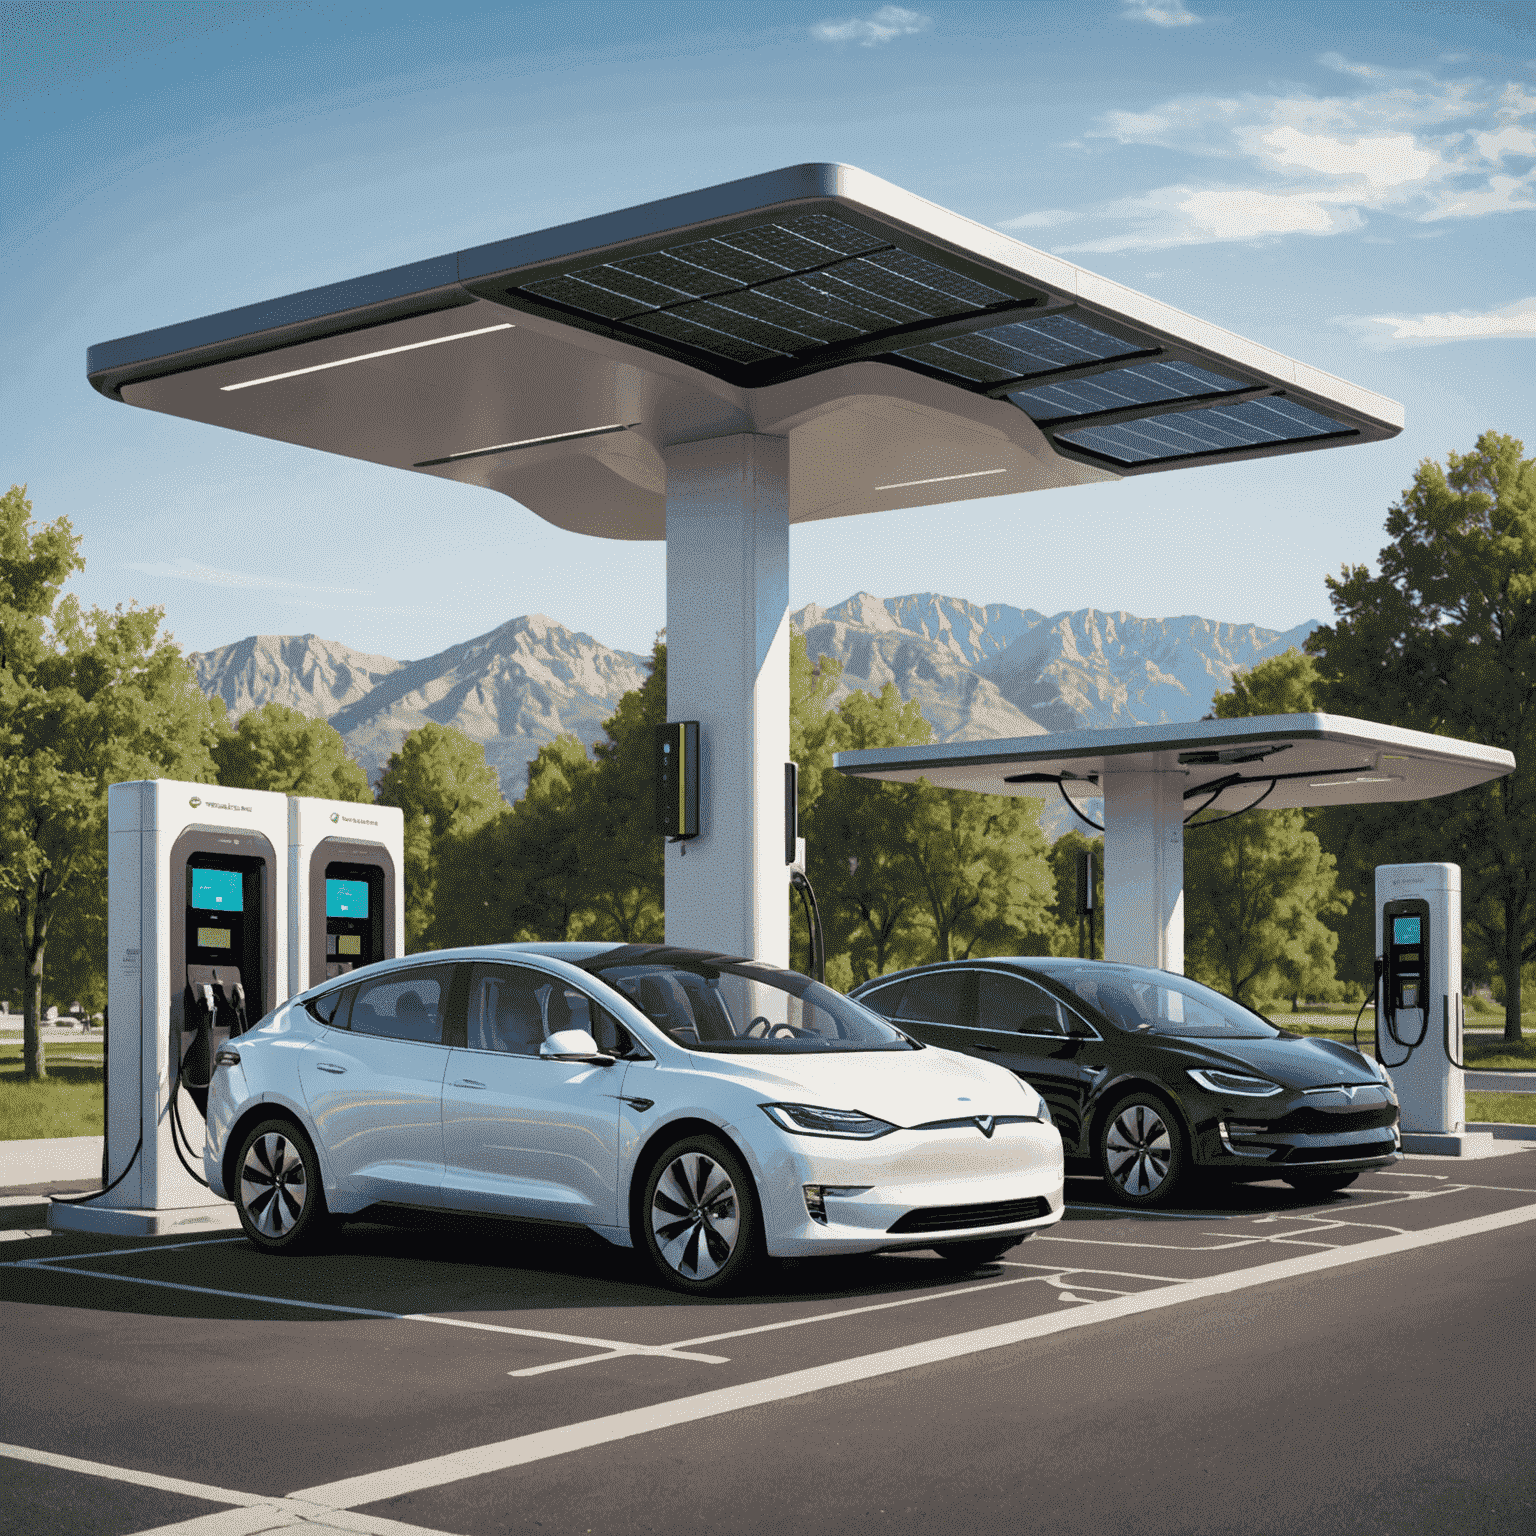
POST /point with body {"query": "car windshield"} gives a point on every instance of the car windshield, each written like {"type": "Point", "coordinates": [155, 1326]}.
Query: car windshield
{"type": "Point", "coordinates": [741, 1006]}
{"type": "Point", "coordinates": [1157, 1003]}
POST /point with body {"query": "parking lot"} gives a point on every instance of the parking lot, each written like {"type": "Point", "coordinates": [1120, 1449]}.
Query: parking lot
{"type": "Point", "coordinates": [1253, 1361]}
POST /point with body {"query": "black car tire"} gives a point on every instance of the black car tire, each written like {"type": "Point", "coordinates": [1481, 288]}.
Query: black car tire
{"type": "Point", "coordinates": [698, 1219]}
{"type": "Point", "coordinates": [1319, 1183]}
{"type": "Point", "coordinates": [1141, 1149]}
{"type": "Point", "coordinates": [278, 1191]}
{"type": "Point", "coordinates": [975, 1252]}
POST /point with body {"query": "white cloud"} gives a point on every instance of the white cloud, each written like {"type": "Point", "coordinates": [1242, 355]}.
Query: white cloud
{"type": "Point", "coordinates": [1408, 144]}
{"type": "Point", "coordinates": [1514, 321]}
{"type": "Point", "coordinates": [1041, 218]}
{"type": "Point", "coordinates": [1172, 13]}
{"type": "Point", "coordinates": [212, 576]}
{"type": "Point", "coordinates": [890, 21]}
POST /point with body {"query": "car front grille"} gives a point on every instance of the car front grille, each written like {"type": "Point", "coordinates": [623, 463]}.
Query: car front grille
{"type": "Point", "coordinates": [1339, 1122]}
{"type": "Point", "coordinates": [955, 1218]}
{"type": "Point", "coordinates": [1342, 1154]}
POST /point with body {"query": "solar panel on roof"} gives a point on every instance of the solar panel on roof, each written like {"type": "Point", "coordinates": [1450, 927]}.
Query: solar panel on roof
{"type": "Point", "coordinates": [1139, 384]}
{"type": "Point", "coordinates": [1021, 348]}
{"type": "Point", "coordinates": [1212, 429]}
{"type": "Point", "coordinates": [776, 289]}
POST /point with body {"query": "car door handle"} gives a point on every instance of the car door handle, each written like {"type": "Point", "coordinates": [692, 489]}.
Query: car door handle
{"type": "Point", "coordinates": [329, 1066]}
{"type": "Point", "coordinates": [468, 1082]}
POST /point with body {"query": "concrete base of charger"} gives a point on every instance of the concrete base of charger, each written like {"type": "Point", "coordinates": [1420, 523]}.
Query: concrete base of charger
{"type": "Point", "coordinates": [1464, 1143]}
{"type": "Point", "coordinates": [118, 1222]}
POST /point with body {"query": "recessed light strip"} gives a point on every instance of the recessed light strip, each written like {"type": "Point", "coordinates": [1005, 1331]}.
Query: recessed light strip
{"type": "Point", "coordinates": [973, 474]}
{"type": "Point", "coordinates": [364, 357]}
{"type": "Point", "coordinates": [527, 442]}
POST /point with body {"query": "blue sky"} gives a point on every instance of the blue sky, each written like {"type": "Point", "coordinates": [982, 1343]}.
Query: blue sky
{"type": "Point", "coordinates": [1353, 184]}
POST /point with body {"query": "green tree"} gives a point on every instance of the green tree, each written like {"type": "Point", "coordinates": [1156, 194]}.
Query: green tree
{"type": "Point", "coordinates": [855, 842]}
{"type": "Point", "coordinates": [1257, 888]}
{"type": "Point", "coordinates": [1443, 638]}
{"type": "Point", "coordinates": [279, 749]}
{"type": "Point", "coordinates": [442, 783]}
{"type": "Point", "coordinates": [87, 699]}
{"type": "Point", "coordinates": [615, 818]}
{"type": "Point", "coordinates": [1280, 685]}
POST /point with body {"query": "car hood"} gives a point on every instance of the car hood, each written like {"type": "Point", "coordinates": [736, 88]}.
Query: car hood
{"type": "Point", "coordinates": [905, 1087]}
{"type": "Point", "coordinates": [1299, 1063]}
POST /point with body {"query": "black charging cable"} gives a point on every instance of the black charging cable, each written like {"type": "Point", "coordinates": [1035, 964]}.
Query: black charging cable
{"type": "Point", "coordinates": [797, 878]}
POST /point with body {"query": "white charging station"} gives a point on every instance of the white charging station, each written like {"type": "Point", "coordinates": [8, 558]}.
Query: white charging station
{"type": "Point", "coordinates": [197, 937]}
{"type": "Point", "coordinates": [1419, 1018]}
{"type": "Point", "coordinates": [346, 888]}
{"type": "Point", "coordinates": [221, 904]}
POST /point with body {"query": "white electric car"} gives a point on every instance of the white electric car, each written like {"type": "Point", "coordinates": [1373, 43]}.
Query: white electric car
{"type": "Point", "coordinates": [705, 1109]}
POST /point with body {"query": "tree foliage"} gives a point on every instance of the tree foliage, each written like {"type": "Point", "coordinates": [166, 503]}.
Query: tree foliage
{"type": "Point", "coordinates": [278, 749]}
{"type": "Point", "coordinates": [88, 698]}
{"type": "Point", "coordinates": [1443, 638]}
{"type": "Point", "coordinates": [441, 782]}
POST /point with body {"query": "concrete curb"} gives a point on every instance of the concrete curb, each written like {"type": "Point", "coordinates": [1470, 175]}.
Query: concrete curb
{"type": "Point", "coordinates": [72, 1160]}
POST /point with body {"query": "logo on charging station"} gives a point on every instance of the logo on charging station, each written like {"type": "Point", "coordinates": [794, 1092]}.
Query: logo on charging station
{"type": "Point", "coordinates": [195, 801]}
{"type": "Point", "coordinates": [335, 815]}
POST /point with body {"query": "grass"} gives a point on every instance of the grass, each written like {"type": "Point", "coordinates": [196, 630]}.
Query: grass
{"type": "Point", "coordinates": [68, 1103]}
{"type": "Point", "coordinates": [1502, 1108]}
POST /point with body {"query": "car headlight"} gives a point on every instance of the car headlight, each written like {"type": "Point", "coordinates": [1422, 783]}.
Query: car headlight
{"type": "Point", "coordinates": [1043, 1112]}
{"type": "Point", "coordinates": [813, 1120]}
{"type": "Point", "coordinates": [1381, 1072]}
{"type": "Point", "coordinates": [1234, 1082]}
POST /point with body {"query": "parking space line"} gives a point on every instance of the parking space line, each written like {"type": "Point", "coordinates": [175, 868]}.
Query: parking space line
{"type": "Point", "coordinates": [122, 1253]}
{"type": "Point", "coordinates": [1114, 1274]}
{"type": "Point", "coordinates": [1127, 1211]}
{"type": "Point", "coordinates": [23, 1234]}
{"type": "Point", "coordinates": [434, 1472]}
{"type": "Point", "coordinates": [615, 1345]}
{"type": "Point", "coordinates": [252, 1512]}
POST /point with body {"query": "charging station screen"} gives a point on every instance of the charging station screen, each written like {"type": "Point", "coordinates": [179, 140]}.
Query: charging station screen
{"type": "Point", "coordinates": [217, 890]}
{"type": "Point", "coordinates": [1405, 930]}
{"type": "Point", "coordinates": [346, 898]}
{"type": "Point", "coordinates": [349, 944]}
{"type": "Point", "coordinates": [213, 938]}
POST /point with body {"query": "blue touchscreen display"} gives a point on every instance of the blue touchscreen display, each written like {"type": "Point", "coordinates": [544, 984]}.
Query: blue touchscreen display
{"type": "Point", "coordinates": [1405, 930]}
{"type": "Point", "coordinates": [346, 898]}
{"type": "Point", "coordinates": [217, 890]}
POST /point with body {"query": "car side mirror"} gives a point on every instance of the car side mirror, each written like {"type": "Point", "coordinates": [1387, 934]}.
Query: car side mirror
{"type": "Point", "coordinates": [574, 1045]}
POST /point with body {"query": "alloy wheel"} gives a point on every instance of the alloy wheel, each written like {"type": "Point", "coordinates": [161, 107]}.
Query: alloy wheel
{"type": "Point", "coordinates": [1138, 1151]}
{"type": "Point", "coordinates": [273, 1185]}
{"type": "Point", "coordinates": [695, 1216]}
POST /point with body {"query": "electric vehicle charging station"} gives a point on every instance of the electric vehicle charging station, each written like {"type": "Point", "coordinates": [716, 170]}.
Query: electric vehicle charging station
{"type": "Point", "coordinates": [221, 904]}
{"type": "Point", "coordinates": [197, 937]}
{"type": "Point", "coordinates": [346, 888]}
{"type": "Point", "coordinates": [1419, 1015]}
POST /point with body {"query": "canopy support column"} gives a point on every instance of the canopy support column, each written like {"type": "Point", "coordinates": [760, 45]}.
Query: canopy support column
{"type": "Point", "coordinates": [728, 668]}
{"type": "Point", "coordinates": [1144, 868]}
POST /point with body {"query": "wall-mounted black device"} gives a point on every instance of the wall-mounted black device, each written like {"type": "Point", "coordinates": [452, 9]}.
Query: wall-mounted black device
{"type": "Point", "coordinates": [791, 812]}
{"type": "Point", "coordinates": [677, 779]}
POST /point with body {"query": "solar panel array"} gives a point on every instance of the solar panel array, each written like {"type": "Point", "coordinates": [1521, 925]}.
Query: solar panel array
{"type": "Point", "coordinates": [1140, 384]}
{"type": "Point", "coordinates": [773, 290]}
{"type": "Point", "coordinates": [780, 290]}
{"type": "Point", "coordinates": [1245, 424]}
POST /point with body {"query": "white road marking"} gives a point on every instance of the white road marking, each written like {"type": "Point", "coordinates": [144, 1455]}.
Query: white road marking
{"type": "Point", "coordinates": [254, 1512]}
{"type": "Point", "coordinates": [121, 1253]}
{"type": "Point", "coordinates": [435, 1471]}
{"type": "Point", "coordinates": [1125, 1210]}
{"type": "Point", "coordinates": [616, 1346]}
{"type": "Point", "coordinates": [1114, 1274]}
{"type": "Point", "coordinates": [23, 1234]}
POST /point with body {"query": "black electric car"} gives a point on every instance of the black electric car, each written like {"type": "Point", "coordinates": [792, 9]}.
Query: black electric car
{"type": "Point", "coordinates": [1149, 1075]}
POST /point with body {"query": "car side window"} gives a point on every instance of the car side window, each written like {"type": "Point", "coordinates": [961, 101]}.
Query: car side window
{"type": "Point", "coordinates": [886, 1001]}
{"type": "Point", "coordinates": [937, 997]}
{"type": "Point", "coordinates": [1012, 1005]}
{"type": "Point", "coordinates": [407, 1005]}
{"type": "Point", "coordinates": [506, 1011]}
{"type": "Point", "coordinates": [329, 1007]}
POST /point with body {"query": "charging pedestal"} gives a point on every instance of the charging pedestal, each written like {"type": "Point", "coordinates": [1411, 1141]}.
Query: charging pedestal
{"type": "Point", "coordinates": [346, 888]}
{"type": "Point", "coordinates": [1418, 1002]}
{"type": "Point", "coordinates": [197, 934]}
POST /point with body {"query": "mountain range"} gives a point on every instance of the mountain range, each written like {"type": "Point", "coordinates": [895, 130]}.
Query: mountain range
{"type": "Point", "coordinates": [975, 671]}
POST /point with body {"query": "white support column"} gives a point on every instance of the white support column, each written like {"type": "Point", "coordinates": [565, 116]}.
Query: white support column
{"type": "Point", "coordinates": [1144, 869]}
{"type": "Point", "coordinates": [728, 668]}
